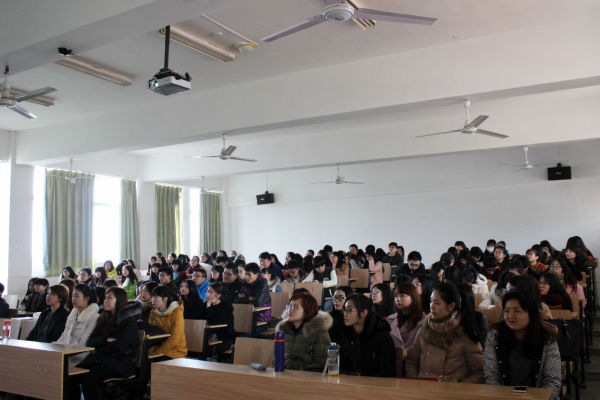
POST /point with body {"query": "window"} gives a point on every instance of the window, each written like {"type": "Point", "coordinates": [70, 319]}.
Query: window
{"type": "Point", "coordinates": [107, 220]}
{"type": "Point", "coordinates": [194, 222]}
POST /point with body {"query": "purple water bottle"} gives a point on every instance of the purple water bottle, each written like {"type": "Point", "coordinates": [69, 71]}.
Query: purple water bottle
{"type": "Point", "coordinates": [279, 352]}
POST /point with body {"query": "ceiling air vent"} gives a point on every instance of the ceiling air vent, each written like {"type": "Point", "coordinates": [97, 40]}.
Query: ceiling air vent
{"type": "Point", "coordinates": [203, 47]}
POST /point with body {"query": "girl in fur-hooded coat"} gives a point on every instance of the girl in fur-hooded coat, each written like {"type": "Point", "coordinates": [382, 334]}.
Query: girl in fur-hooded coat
{"type": "Point", "coordinates": [307, 346]}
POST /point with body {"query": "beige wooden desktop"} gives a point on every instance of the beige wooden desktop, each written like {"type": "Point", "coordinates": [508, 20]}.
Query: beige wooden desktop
{"type": "Point", "coordinates": [240, 381]}
{"type": "Point", "coordinates": [35, 369]}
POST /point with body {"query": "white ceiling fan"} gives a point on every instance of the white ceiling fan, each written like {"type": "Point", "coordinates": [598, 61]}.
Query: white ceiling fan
{"type": "Point", "coordinates": [341, 11]}
{"type": "Point", "coordinates": [71, 177]}
{"type": "Point", "coordinates": [339, 180]}
{"type": "Point", "coordinates": [226, 153]}
{"type": "Point", "coordinates": [527, 165]}
{"type": "Point", "coordinates": [11, 102]}
{"type": "Point", "coordinates": [204, 191]}
{"type": "Point", "coordinates": [471, 126]}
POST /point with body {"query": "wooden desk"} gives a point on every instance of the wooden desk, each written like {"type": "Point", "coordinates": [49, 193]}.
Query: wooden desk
{"type": "Point", "coordinates": [35, 369]}
{"type": "Point", "coordinates": [299, 385]}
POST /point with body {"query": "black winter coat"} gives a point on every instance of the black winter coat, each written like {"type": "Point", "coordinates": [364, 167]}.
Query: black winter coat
{"type": "Point", "coordinates": [372, 353]}
{"type": "Point", "coordinates": [121, 354]}
{"type": "Point", "coordinates": [405, 270]}
{"type": "Point", "coordinates": [231, 290]}
{"type": "Point", "coordinates": [221, 314]}
{"type": "Point", "coordinates": [338, 326]}
{"type": "Point", "coordinates": [37, 305]}
{"type": "Point", "coordinates": [48, 330]}
{"type": "Point", "coordinates": [194, 310]}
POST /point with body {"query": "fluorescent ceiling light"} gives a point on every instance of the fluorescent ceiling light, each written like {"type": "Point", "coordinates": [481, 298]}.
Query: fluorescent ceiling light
{"type": "Point", "coordinates": [94, 71]}
{"type": "Point", "coordinates": [41, 100]}
{"type": "Point", "coordinates": [203, 47]}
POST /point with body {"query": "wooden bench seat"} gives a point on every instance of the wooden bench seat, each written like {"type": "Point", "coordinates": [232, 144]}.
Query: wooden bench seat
{"type": "Point", "coordinates": [77, 371]}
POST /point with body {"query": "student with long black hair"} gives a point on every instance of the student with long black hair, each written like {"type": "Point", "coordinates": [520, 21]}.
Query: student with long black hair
{"type": "Point", "coordinates": [130, 281]}
{"type": "Point", "coordinates": [219, 311]}
{"type": "Point", "coordinates": [167, 314]}
{"type": "Point", "coordinates": [407, 320]}
{"type": "Point", "coordinates": [116, 342]}
{"type": "Point", "coordinates": [553, 292]}
{"type": "Point", "coordinates": [452, 275]}
{"type": "Point", "coordinates": [68, 273]}
{"type": "Point", "coordinates": [101, 276]}
{"type": "Point", "coordinates": [383, 300]}
{"type": "Point", "coordinates": [481, 321]}
{"type": "Point", "coordinates": [425, 286]}
{"type": "Point", "coordinates": [110, 269]}
{"type": "Point", "coordinates": [85, 276]}
{"type": "Point", "coordinates": [51, 323]}
{"type": "Point", "coordinates": [339, 299]}
{"type": "Point", "coordinates": [193, 306]}
{"type": "Point", "coordinates": [29, 294]}
{"type": "Point", "coordinates": [436, 273]}
{"type": "Point", "coordinates": [521, 349]}
{"type": "Point", "coordinates": [527, 283]}
{"type": "Point", "coordinates": [478, 282]}
{"type": "Point", "coordinates": [448, 346]}
{"type": "Point", "coordinates": [577, 261]}
{"type": "Point", "coordinates": [559, 268]}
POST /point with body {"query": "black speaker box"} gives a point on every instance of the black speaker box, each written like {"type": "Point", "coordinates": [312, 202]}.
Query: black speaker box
{"type": "Point", "coordinates": [559, 173]}
{"type": "Point", "coordinates": [266, 198]}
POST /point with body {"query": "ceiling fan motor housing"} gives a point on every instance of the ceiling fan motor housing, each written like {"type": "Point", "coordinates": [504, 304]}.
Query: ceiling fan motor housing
{"type": "Point", "coordinates": [338, 13]}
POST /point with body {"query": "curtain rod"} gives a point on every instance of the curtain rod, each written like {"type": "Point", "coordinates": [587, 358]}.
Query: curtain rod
{"type": "Point", "coordinates": [91, 173]}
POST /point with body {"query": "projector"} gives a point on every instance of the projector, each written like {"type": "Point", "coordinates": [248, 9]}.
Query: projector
{"type": "Point", "coordinates": [168, 82]}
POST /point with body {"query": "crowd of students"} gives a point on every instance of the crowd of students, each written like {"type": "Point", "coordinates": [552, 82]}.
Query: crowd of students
{"type": "Point", "coordinates": [430, 312]}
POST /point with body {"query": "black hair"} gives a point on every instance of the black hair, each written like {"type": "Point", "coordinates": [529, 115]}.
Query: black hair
{"type": "Point", "coordinates": [100, 292]}
{"type": "Point", "coordinates": [103, 276]}
{"type": "Point", "coordinates": [318, 261]}
{"type": "Point", "coordinates": [446, 259]}
{"type": "Point", "coordinates": [503, 281]}
{"type": "Point", "coordinates": [468, 276]}
{"type": "Point", "coordinates": [490, 262]}
{"type": "Point", "coordinates": [352, 245]}
{"type": "Point", "coordinates": [253, 268]}
{"type": "Point", "coordinates": [476, 252]}
{"type": "Point", "coordinates": [222, 259]}
{"type": "Point", "coordinates": [193, 298]}
{"type": "Point", "coordinates": [454, 252]}
{"type": "Point", "coordinates": [568, 276]}
{"type": "Point", "coordinates": [72, 274]}
{"type": "Point", "coordinates": [556, 287]}
{"type": "Point", "coordinates": [433, 273]}
{"type": "Point", "coordinates": [453, 275]}
{"type": "Point", "coordinates": [32, 281]}
{"type": "Point", "coordinates": [173, 255]}
{"type": "Point", "coordinates": [414, 256]}
{"type": "Point", "coordinates": [465, 255]}
{"type": "Point", "coordinates": [131, 262]}
{"type": "Point", "coordinates": [450, 294]}
{"type": "Point", "coordinates": [131, 274]}
{"type": "Point", "coordinates": [86, 291]}
{"type": "Point", "coordinates": [300, 290]}
{"type": "Point", "coordinates": [461, 244]}
{"type": "Point", "coordinates": [401, 278]}
{"type": "Point", "coordinates": [387, 297]}
{"type": "Point", "coordinates": [492, 242]}
{"type": "Point", "coordinates": [267, 270]}
{"type": "Point", "coordinates": [119, 268]}
{"type": "Point", "coordinates": [41, 281]}
{"type": "Point", "coordinates": [292, 264]}
{"type": "Point", "coordinates": [167, 271]}
{"type": "Point", "coordinates": [219, 270]}
{"type": "Point", "coordinates": [88, 271]}
{"type": "Point", "coordinates": [233, 268]}
{"type": "Point", "coordinates": [239, 262]}
{"type": "Point", "coordinates": [110, 283]}
{"type": "Point", "coordinates": [328, 248]}
{"type": "Point", "coordinates": [516, 265]}
{"type": "Point", "coordinates": [202, 272]}
{"type": "Point", "coordinates": [217, 287]}
{"type": "Point", "coordinates": [348, 291]}
{"type": "Point", "coordinates": [112, 266]}
{"type": "Point", "coordinates": [393, 244]}
{"type": "Point", "coordinates": [379, 255]}
{"type": "Point", "coordinates": [370, 248]}
{"type": "Point", "coordinates": [502, 243]}
{"type": "Point", "coordinates": [1, 288]}
{"type": "Point", "coordinates": [543, 256]}
{"type": "Point", "coordinates": [265, 255]}
{"type": "Point", "coordinates": [527, 283]}
{"type": "Point", "coordinates": [468, 291]}
{"type": "Point", "coordinates": [427, 287]}
{"type": "Point", "coordinates": [163, 291]}
{"type": "Point", "coordinates": [503, 249]}
{"type": "Point", "coordinates": [362, 303]}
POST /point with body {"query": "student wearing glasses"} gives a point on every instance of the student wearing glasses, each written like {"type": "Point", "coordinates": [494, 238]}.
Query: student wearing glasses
{"type": "Point", "coordinates": [306, 333]}
{"type": "Point", "coordinates": [38, 302]}
{"type": "Point", "coordinates": [366, 346]}
{"type": "Point", "coordinates": [231, 283]}
{"type": "Point", "coordinates": [407, 320]}
{"type": "Point", "coordinates": [383, 300]}
{"type": "Point", "coordinates": [559, 268]}
{"type": "Point", "coordinates": [553, 292]}
{"type": "Point", "coordinates": [413, 266]}
{"type": "Point", "coordinates": [339, 299]}
{"type": "Point", "coordinates": [325, 275]}
{"type": "Point", "coordinates": [534, 261]}
{"type": "Point", "coordinates": [85, 276]}
{"type": "Point", "coordinates": [199, 278]}
{"type": "Point", "coordinates": [255, 291]}
{"type": "Point", "coordinates": [165, 275]}
{"type": "Point", "coordinates": [295, 273]}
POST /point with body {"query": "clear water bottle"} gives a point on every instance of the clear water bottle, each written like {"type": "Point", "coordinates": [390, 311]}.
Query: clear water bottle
{"type": "Point", "coordinates": [333, 359]}
{"type": "Point", "coordinates": [6, 329]}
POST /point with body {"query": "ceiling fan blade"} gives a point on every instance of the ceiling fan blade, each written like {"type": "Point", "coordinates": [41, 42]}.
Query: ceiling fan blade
{"type": "Point", "coordinates": [241, 159]}
{"type": "Point", "coordinates": [366, 13]}
{"type": "Point", "coordinates": [441, 133]}
{"type": "Point", "coordinates": [477, 121]}
{"type": "Point", "coordinates": [488, 133]}
{"type": "Point", "coordinates": [34, 93]}
{"type": "Point", "coordinates": [355, 183]}
{"type": "Point", "coordinates": [317, 19]}
{"type": "Point", "coordinates": [541, 165]}
{"type": "Point", "coordinates": [17, 108]}
{"type": "Point", "coordinates": [229, 150]}
{"type": "Point", "coordinates": [511, 165]}
{"type": "Point", "coordinates": [316, 183]}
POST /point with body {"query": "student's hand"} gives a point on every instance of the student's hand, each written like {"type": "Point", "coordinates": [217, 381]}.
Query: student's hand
{"type": "Point", "coordinates": [315, 281]}
{"type": "Point", "coordinates": [499, 306]}
{"type": "Point", "coordinates": [252, 298]}
{"type": "Point", "coordinates": [109, 340]}
{"type": "Point", "coordinates": [241, 295]}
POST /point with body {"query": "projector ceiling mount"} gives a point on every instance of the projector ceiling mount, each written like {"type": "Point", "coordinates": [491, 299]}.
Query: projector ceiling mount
{"type": "Point", "coordinates": [168, 81]}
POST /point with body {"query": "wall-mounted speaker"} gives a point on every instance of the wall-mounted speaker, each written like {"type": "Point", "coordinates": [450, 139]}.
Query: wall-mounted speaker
{"type": "Point", "coordinates": [266, 198]}
{"type": "Point", "coordinates": [559, 173]}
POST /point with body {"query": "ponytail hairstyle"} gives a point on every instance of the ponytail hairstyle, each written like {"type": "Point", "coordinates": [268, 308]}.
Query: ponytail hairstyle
{"type": "Point", "coordinates": [361, 303]}
{"type": "Point", "coordinates": [450, 294]}
{"type": "Point", "coordinates": [413, 315]}
{"type": "Point", "coordinates": [108, 319]}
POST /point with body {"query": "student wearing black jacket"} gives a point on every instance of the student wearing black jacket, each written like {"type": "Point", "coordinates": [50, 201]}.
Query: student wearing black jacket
{"type": "Point", "coordinates": [231, 284]}
{"type": "Point", "coordinates": [413, 267]}
{"type": "Point", "coordinates": [116, 342]}
{"type": "Point", "coordinates": [366, 346]}
{"type": "Point", "coordinates": [193, 306]}
{"type": "Point", "coordinates": [38, 301]}
{"type": "Point", "coordinates": [51, 323]}
{"type": "Point", "coordinates": [219, 311]}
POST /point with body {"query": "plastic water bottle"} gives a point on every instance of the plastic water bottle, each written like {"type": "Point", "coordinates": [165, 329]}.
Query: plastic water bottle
{"type": "Point", "coordinates": [279, 352]}
{"type": "Point", "coordinates": [333, 359]}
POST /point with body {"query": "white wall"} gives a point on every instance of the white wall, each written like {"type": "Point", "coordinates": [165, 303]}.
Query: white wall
{"type": "Point", "coordinates": [425, 204]}
{"type": "Point", "coordinates": [4, 145]}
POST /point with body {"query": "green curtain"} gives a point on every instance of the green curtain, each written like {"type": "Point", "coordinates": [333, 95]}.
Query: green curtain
{"type": "Point", "coordinates": [130, 241]}
{"type": "Point", "coordinates": [210, 222]}
{"type": "Point", "coordinates": [167, 217]}
{"type": "Point", "coordinates": [69, 214]}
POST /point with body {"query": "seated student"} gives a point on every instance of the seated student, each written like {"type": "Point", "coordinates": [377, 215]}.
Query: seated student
{"type": "Point", "coordinates": [452, 275]}
{"type": "Point", "coordinates": [241, 266]}
{"type": "Point", "coordinates": [553, 292]}
{"type": "Point", "coordinates": [110, 269]}
{"type": "Point", "coordinates": [481, 321]}
{"type": "Point", "coordinates": [85, 276]}
{"type": "Point", "coordinates": [154, 272]}
{"type": "Point", "coordinates": [116, 342]}
{"type": "Point", "coordinates": [216, 275]}
{"type": "Point", "coordinates": [68, 273]}
{"type": "Point", "coordinates": [255, 291]}
{"type": "Point", "coordinates": [146, 299]}
{"type": "Point", "coordinates": [51, 323]}
{"type": "Point", "coordinates": [407, 320]}
{"type": "Point", "coordinates": [383, 300]}
{"type": "Point", "coordinates": [167, 314]}
{"type": "Point", "coordinates": [119, 269]}
{"type": "Point", "coordinates": [489, 248]}
{"type": "Point", "coordinates": [502, 256]}
{"type": "Point", "coordinates": [521, 349]}
{"type": "Point", "coordinates": [413, 266]}
{"type": "Point", "coordinates": [266, 260]}
{"type": "Point", "coordinates": [547, 247]}
{"type": "Point", "coordinates": [502, 243]}
{"type": "Point", "coordinates": [194, 262]}
{"type": "Point", "coordinates": [339, 299]}
{"type": "Point", "coordinates": [476, 256]}
{"type": "Point", "coordinates": [38, 302]}
{"type": "Point", "coordinates": [373, 262]}
{"type": "Point", "coordinates": [231, 283]}
{"type": "Point", "coordinates": [4, 306]}
{"type": "Point", "coordinates": [165, 274]}
{"type": "Point", "coordinates": [527, 283]}
{"type": "Point", "coordinates": [179, 272]}
{"type": "Point", "coordinates": [491, 270]}
{"type": "Point", "coordinates": [110, 283]}
{"type": "Point", "coordinates": [559, 268]}
{"type": "Point", "coordinates": [402, 279]}
{"type": "Point", "coordinates": [534, 261]}
{"type": "Point", "coordinates": [100, 293]}
{"type": "Point", "coordinates": [199, 278]}
{"type": "Point", "coordinates": [274, 285]}
{"type": "Point", "coordinates": [477, 281]}
{"type": "Point", "coordinates": [394, 258]}
{"type": "Point", "coordinates": [339, 264]}
{"type": "Point", "coordinates": [448, 346]}
{"type": "Point", "coordinates": [295, 273]}
{"type": "Point", "coordinates": [494, 300]}
{"type": "Point", "coordinates": [193, 306]}
{"type": "Point", "coordinates": [130, 282]}
{"type": "Point", "coordinates": [219, 311]}
{"type": "Point", "coordinates": [459, 245]}
{"type": "Point", "coordinates": [325, 275]}
{"type": "Point", "coordinates": [464, 257]}
{"type": "Point", "coordinates": [576, 260]}
{"type": "Point", "coordinates": [516, 267]}
{"type": "Point", "coordinates": [425, 286]}
{"type": "Point", "coordinates": [29, 295]}
{"type": "Point", "coordinates": [366, 346]}
{"type": "Point", "coordinates": [101, 276]}
{"type": "Point", "coordinates": [306, 332]}
{"type": "Point", "coordinates": [70, 285]}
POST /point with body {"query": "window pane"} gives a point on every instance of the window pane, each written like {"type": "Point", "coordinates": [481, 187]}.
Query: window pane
{"type": "Point", "coordinates": [107, 219]}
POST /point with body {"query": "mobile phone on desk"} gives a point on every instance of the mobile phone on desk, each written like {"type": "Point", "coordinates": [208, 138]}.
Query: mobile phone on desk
{"type": "Point", "coordinates": [520, 389]}
{"type": "Point", "coordinates": [258, 367]}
